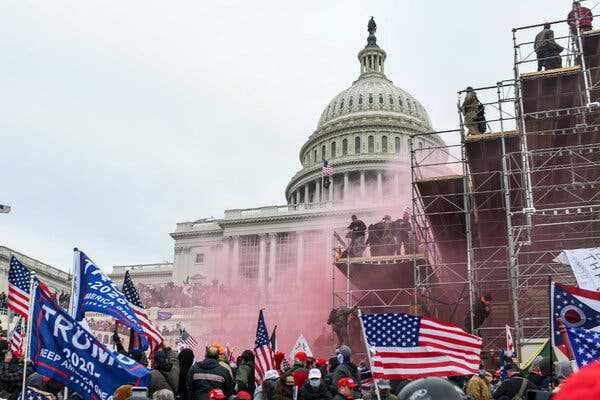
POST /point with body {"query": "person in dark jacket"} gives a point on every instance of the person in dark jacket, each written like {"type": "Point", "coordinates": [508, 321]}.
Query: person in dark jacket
{"type": "Point", "coordinates": [11, 376]}
{"type": "Point", "coordinates": [547, 50]}
{"type": "Point", "coordinates": [208, 374]}
{"type": "Point", "coordinates": [346, 369]}
{"type": "Point", "coordinates": [284, 390]}
{"type": "Point", "coordinates": [514, 386]}
{"type": "Point", "coordinates": [244, 376]}
{"type": "Point", "coordinates": [315, 388]}
{"type": "Point", "coordinates": [165, 371]}
{"type": "Point", "coordinates": [347, 389]}
{"type": "Point", "coordinates": [186, 360]}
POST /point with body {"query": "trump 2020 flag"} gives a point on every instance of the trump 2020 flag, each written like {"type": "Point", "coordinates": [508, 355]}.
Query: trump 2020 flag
{"type": "Point", "coordinates": [61, 349]}
{"type": "Point", "coordinates": [96, 292]}
{"type": "Point", "coordinates": [576, 307]}
{"type": "Point", "coordinates": [403, 346]}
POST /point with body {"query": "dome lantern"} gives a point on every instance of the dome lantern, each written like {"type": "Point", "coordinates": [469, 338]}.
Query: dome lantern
{"type": "Point", "coordinates": [372, 57]}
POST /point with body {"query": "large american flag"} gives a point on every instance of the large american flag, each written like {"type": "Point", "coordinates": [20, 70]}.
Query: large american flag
{"type": "Point", "coordinates": [263, 353]}
{"type": "Point", "coordinates": [16, 339]}
{"type": "Point", "coordinates": [19, 280]}
{"type": "Point", "coordinates": [150, 330]}
{"type": "Point", "coordinates": [327, 168]}
{"type": "Point", "coordinates": [405, 346]}
{"type": "Point", "coordinates": [585, 344]}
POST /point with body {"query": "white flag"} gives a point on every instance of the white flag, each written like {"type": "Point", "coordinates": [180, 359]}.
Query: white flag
{"type": "Point", "coordinates": [301, 345]}
{"type": "Point", "coordinates": [585, 264]}
{"type": "Point", "coordinates": [510, 345]}
{"type": "Point", "coordinates": [4, 209]}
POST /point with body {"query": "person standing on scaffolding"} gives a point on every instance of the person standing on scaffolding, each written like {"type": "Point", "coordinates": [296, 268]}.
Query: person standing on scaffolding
{"type": "Point", "coordinates": [357, 237]}
{"type": "Point", "coordinates": [388, 240]}
{"type": "Point", "coordinates": [547, 50]}
{"type": "Point", "coordinates": [473, 111]}
{"type": "Point", "coordinates": [583, 14]}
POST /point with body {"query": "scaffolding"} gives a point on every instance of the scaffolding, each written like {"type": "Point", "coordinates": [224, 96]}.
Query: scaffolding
{"type": "Point", "coordinates": [515, 196]}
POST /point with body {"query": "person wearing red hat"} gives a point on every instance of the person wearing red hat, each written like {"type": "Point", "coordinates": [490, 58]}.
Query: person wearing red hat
{"type": "Point", "coordinates": [216, 394]}
{"type": "Point", "coordinates": [241, 395]}
{"type": "Point", "coordinates": [584, 384]}
{"type": "Point", "coordinates": [346, 389]}
{"type": "Point", "coordinates": [299, 370]}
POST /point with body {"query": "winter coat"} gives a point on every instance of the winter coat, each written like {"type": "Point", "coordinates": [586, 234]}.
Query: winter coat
{"type": "Point", "coordinates": [207, 375]}
{"type": "Point", "coordinates": [319, 393]}
{"type": "Point", "coordinates": [510, 387]}
{"type": "Point", "coordinates": [165, 379]}
{"type": "Point", "coordinates": [478, 388]}
{"type": "Point", "coordinates": [283, 391]}
{"type": "Point", "coordinates": [373, 396]}
{"type": "Point", "coordinates": [244, 378]}
{"type": "Point", "coordinates": [186, 359]}
{"type": "Point", "coordinates": [345, 370]}
{"type": "Point", "coordinates": [11, 379]}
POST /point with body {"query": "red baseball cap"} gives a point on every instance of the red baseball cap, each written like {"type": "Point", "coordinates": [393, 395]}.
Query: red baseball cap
{"type": "Point", "coordinates": [301, 356]}
{"type": "Point", "coordinates": [243, 395]}
{"type": "Point", "coordinates": [321, 362]}
{"type": "Point", "coordinates": [216, 394]}
{"type": "Point", "coordinates": [348, 382]}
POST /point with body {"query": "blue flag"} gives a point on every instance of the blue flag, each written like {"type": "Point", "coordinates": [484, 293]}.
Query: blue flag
{"type": "Point", "coordinates": [66, 352]}
{"type": "Point", "coordinates": [96, 292]}
{"type": "Point", "coordinates": [576, 307]}
{"type": "Point", "coordinates": [585, 344]}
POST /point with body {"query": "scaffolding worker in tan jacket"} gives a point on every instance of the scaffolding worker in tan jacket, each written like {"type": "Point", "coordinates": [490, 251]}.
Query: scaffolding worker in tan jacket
{"type": "Point", "coordinates": [470, 109]}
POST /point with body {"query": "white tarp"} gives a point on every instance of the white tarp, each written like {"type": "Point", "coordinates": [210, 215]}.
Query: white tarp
{"type": "Point", "coordinates": [585, 264]}
{"type": "Point", "coordinates": [301, 345]}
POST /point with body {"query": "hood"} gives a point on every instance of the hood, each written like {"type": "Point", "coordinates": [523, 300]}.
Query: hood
{"type": "Point", "coordinates": [209, 363]}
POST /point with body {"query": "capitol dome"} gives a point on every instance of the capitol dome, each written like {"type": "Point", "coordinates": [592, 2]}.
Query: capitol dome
{"type": "Point", "coordinates": [363, 134]}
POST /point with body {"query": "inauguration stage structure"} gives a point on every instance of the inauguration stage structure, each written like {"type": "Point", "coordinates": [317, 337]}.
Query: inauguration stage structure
{"type": "Point", "coordinates": [512, 199]}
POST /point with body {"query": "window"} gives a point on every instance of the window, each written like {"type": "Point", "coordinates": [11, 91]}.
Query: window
{"type": "Point", "coordinates": [380, 99]}
{"type": "Point", "coordinates": [370, 99]}
{"type": "Point", "coordinates": [371, 144]}
{"type": "Point", "coordinates": [384, 144]}
{"type": "Point", "coordinates": [323, 152]}
{"type": "Point", "coordinates": [420, 145]}
{"type": "Point", "coordinates": [400, 102]}
{"type": "Point", "coordinates": [397, 145]}
{"type": "Point", "coordinates": [333, 149]}
{"type": "Point", "coordinates": [357, 145]}
{"type": "Point", "coordinates": [391, 99]}
{"type": "Point", "coordinates": [350, 102]}
{"type": "Point", "coordinates": [249, 248]}
{"type": "Point", "coordinates": [315, 155]}
{"type": "Point", "coordinates": [360, 101]}
{"type": "Point", "coordinates": [200, 258]}
{"type": "Point", "coordinates": [285, 255]}
{"type": "Point", "coordinates": [333, 108]}
{"type": "Point", "coordinates": [342, 105]}
{"type": "Point", "coordinates": [344, 147]}
{"type": "Point", "coordinates": [409, 105]}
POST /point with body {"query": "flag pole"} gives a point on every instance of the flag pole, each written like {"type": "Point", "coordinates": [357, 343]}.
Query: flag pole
{"type": "Point", "coordinates": [551, 316]}
{"type": "Point", "coordinates": [32, 290]}
{"type": "Point", "coordinates": [364, 336]}
{"type": "Point", "coordinates": [72, 297]}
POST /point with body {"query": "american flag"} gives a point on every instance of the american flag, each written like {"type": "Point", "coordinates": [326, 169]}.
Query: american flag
{"type": "Point", "coordinates": [510, 344]}
{"type": "Point", "coordinates": [327, 168]}
{"type": "Point", "coordinates": [187, 339]}
{"type": "Point", "coordinates": [585, 344]}
{"type": "Point", "coordinates": [263, 352]}
{"type": "Point", "coordinates": [19, 280]}
{"type": "Point", "coordinates": [404, 346]}
{"type": "Point", "coordinates": [16, 339]}
{"type": "Point", "coordinates": [150, 330]}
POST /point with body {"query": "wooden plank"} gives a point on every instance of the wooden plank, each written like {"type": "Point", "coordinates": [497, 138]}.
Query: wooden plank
{"type": "Point", "coordinates": [551, 72]}
{"type": "Point", "coordinates": [378, 259]}
{"type": "Point", "coordinates": [440, 178]}
{"type": "Point", "coordinates": [490, 136]}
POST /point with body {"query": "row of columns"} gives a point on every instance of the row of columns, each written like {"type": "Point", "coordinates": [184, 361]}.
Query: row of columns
{"type": "Point", "coordinates": [296, 197]}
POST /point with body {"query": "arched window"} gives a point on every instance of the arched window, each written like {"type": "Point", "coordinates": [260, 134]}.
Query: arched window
{"type": "Point", "coordinates": [357, 145]}
{"type": "Point", "coordinates": [342, 105]}
{"type": "Point", "coordinates": [409, 105]}
{"type": "Point", "coordinates": [370, 99]}
{"type": "Point", "coordinates": [323, 152]}
{"type": "Point", "coordinates": [350, 102]}
{"type": "Point", "coordinates": [380, 99]}
{"type": "Point", "coordinates": [315, 155]}
{"type": "Point", "coordinates": [397, 145]}
{"type": "Point", "coordinates": [400, 102]}
{"type": "Point", "coordinates": [371, 144]}
{"type": "Point", "coordinates": [333, 149]}
{"type": "Point", "coordinates": [360, 101]}
{"type": "Point", "coordinates": [420, 145]}
{"type": "Point", "coordinates": [333, 108]}
{"type": "Point", "coordinates": [344, 147]}
{"type": "Point", "coordinates": [384, 144]}
{"type": "Point", "coordinates": [391, 99]}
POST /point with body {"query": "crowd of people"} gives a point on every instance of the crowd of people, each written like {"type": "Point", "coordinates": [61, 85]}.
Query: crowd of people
{"type": "Point", "coordinates": [3, 301]}
{"type": "Point", "coordinates": [171, 295]}
{"type": "Point", "coordinates": [177, 375]}
{"type": "Point", "coordinates": [386, 237]}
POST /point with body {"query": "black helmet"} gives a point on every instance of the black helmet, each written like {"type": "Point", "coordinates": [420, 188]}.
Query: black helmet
{"type": "Point", "coordinates": [431, 389]}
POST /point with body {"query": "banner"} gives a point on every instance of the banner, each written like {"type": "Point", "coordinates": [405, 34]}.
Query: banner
{"type": "Point", "coordinates": [63, 350]}
{"type": "Point", "coordinates": [163, 315]}
{"type": "Point", "coordinates": [96, 292]}
{"type": "Point", "coordinates": [585, 264]}
{"type": "Point", "coordinates": [301, 345]}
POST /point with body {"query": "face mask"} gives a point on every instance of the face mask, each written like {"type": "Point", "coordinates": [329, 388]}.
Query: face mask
{"type": "Point", "coordinates": [482, 373]}
{"type": "Point", "coordinates": [340, 358]}
{"type": "Point", "coordinates": [315, 382]}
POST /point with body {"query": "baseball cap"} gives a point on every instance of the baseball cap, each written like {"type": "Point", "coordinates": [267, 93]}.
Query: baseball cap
{"type": "Point", "coordinates": [301, 356]}
{"type": "Point", "coordinates": [348, 382]}
{"type": "Point", "coordinates": [243, 395]}
{"type": "Point", "coordinates": [321, 362]}
{"type": "Point", "coordinates": [383, 384]}
{"type": "Point", "coordinates": [314, 374]}
{"type": "Point", "coordinates": [216, 394]}
{"type": "Point", "coordinates": [271, 374]}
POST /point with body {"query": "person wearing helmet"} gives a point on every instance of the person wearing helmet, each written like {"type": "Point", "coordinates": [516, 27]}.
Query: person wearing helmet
{"type": "Point", "coordinates": [431, 389]}
{"type": "Point", "coordinates": [347, 390]}
{"type": "Point", "coordinates": [208, 374]}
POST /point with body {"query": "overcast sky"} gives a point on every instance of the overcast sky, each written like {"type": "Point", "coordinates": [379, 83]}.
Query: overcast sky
{"type": "Point", "coordinates": [119, 119]}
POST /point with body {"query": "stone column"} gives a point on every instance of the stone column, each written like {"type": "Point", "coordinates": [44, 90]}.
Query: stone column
{"type": "Point", "coordinates": [318, 191]}
{"type": "Point", "coordinates": [299, 257]}
{"type": "Point", "coordinates": [362, 184]}
{"type": "Point", "coordinates": [396, 184]}
{"type": "Point", "coordinates": [262, 259]}
{"type": "Point", "coordinates": [331, 189]}
{"type": "Point", "coordinates": [235, 260]}
{"type": "Point", "coordinates": [379, 185]}
{"type": "Point", "coordinates": [297, 196]}
{"type": "Point", "coordinates": [346, 187]}
{"type": "Point", "coordinates": [306, 194]}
